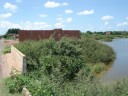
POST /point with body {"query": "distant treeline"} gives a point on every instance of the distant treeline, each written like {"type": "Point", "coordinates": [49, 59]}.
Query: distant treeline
{"type": "Point", "coordinates": [110, 32]}
{"type": "Point", "coordinates": [10, 32]}
{"type": "Point", "coordinates": [105, 36]}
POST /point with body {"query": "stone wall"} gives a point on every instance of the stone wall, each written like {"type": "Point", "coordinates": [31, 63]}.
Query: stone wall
{"type": "Point", "coordinates": [19, 60]}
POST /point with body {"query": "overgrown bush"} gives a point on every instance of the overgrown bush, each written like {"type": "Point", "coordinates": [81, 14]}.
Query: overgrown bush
{"type": "Point", "coordinates": [60, 68]}
{"type": "Point", "coordinates": [16, 83]}
{"type": "Point", "coordinates": [96, 52]}
{"type": "Point", "coordinates": [53, 57]}
{"type": "Point", "coordinates": [97, 68]}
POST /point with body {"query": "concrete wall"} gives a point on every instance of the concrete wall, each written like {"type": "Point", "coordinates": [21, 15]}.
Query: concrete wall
{"type": "Point", "coordinates": [19, 60]}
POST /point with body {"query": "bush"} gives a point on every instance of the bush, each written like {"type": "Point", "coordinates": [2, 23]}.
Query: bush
{"type": "Point", "coordinates": [53, 57]}
{"type": "Point", "coordinates": [96, 52]}
{"type": "Point", "coordinates": [59, 68]}
{"type": "Point", "coordinates": [97, 68]}
{"type": "Point", "coordinates": [16, 83]}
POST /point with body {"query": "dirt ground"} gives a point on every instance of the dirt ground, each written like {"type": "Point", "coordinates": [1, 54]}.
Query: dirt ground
{"type": "Point", "coordinates": [4, 67]}
{"type": "Point", "coordinates": [10, 42]}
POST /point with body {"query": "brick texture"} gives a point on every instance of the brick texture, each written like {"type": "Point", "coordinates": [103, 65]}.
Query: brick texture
{"type": "Point", "coordinates": [45, 34]}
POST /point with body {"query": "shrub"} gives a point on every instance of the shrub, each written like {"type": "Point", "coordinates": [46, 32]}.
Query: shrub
{"type": "Point", "coordinates": [97, 68]}
{"type": "Point", "coordinates": [96, 52]}
{"type": "Point", "coordinates": [16, 83]}
{"type": "Point", "coordinates": [53, 57]}
{"type": "Point", "coordinates": [59, 68]}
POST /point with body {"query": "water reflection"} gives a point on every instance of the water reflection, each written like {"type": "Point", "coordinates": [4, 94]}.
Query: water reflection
{"type": "Point", "coordinates": [119, 68]}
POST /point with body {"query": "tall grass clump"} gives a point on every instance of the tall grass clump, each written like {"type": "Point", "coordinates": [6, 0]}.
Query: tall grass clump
{"type": "Point", "coordinates": [6, 49]}
{"type": "Point", "coordinates": [97, 68]}
{"type": "Point", "coordinates": [96, 52]}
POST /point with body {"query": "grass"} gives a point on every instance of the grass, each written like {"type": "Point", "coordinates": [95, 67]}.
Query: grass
{"type": "Point", "coordinates": [4, 90]}
{"type": "Point", "coordinates": [6, 49]}
{"type": "Point", "coordinates": [98, 68]}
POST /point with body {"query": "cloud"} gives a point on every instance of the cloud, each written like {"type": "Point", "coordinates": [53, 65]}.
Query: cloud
{"type": "Point", "coordinates": [50, 4]}
{"type": "Point", "coordinates": [59, 19]}
{"type": "Point", "coordinates": [106, 23]}
{"type": "Point", "coordinates": [65, 4]}
{"type": "Point", "coordinates": [43, 15]}
{"type": "Point", "coordinates": [34, 25]}
{"type": "Point", "coordinates": [58, 25]}
{"type": "Point", "coordinates": [5, 15]}
{"type": "Point", "coordinates": [122, 24]}
{"type": "Point", "coordinates": [86, 12]}
{"type": "Point", "coordinates": [24, 25]}
{"type": "Point", "coordinates": [7, 25]}
{"type": "Point", "coordinates": [69, 20]}
{"type": "Point", "coordinates": [127, 18]}
{"type": "Point", "coordinates": [10, 7]}
{"type": "Point", "coordinates": [19, 1]}
{"type": "Point", "coordinates": [68, 11]}
{"type": "Point", "coordinates": [107, 18]}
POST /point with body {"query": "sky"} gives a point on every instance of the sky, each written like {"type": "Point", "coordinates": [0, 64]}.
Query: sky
{"type": "Point", "coordinates": [83, 15]}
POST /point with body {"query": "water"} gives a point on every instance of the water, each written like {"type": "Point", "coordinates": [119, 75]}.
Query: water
{"type": "Point", "coordinates": [119, 68]}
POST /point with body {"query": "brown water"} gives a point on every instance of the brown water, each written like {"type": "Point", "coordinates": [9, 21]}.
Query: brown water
{"type": "Point", "coordinates": [119, 68]}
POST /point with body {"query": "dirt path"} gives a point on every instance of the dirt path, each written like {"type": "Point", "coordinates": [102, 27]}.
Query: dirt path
{"type": "Point", "coordinates": [1, 47]}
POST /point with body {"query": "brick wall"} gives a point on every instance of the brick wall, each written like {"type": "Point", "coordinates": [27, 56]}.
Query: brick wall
{"type": "Point", "coordinates": [45, 34]}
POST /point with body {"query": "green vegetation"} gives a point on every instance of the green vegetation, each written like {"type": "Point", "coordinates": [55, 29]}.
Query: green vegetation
{"type": "Point", "coordinates": [6, 49]}
{"type": "Point", "coordinates": [106, 36]}
{"type": "Point", "coordinates": [9, 34]}
{"type": "Point", "coordinates": [97, 68]}
{"type": "Point", "coordinates": [62, 68]}
{"type": "Point", "coordinates": [4, 90]}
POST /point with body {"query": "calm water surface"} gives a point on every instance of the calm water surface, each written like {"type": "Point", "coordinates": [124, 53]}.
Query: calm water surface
{"type": "Point", "coordinates": [119, 68]}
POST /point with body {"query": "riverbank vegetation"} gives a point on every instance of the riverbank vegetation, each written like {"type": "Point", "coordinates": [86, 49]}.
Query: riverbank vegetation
{"type": "Point", "coordinates": [63, 68]}
{"type": "Point", "coordinates": [106, 36]}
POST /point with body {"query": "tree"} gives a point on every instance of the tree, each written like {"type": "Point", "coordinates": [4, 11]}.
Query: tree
{"type": "Point", "coordinates": [12, 31]}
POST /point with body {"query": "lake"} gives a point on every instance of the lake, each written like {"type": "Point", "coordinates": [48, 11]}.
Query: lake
{"type": "Point", "coordinates": [119, 68]}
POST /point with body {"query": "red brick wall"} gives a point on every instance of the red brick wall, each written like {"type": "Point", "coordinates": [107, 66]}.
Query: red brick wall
{"type": "Point", "coordinates": [45, 34]}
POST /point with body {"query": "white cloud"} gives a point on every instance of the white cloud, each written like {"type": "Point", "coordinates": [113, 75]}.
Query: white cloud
{"type": "Point", "coordinates": [122, 24]}
{"type": "Point", "coordinates": [107, 18]}
{"type": "Point", "coordinates": [50, 4]}
{"type": "Point", "coordinates": [34, 25]}
{"type": "Point", "coordinates": [59, 25]}
{"type": "Point", "coordinates": [127, 18]}
{"type": "Point", "coordinates": [86, 12]}
{"type": "Point", "coordinates": [65, 4]}
{"type": "Point", "coordinates": [43, 15]}
{"type": "Point", "coordinates": [10, 7]}
{"type": "Point", "coordinates": [69, 20]}
{"type": "Point", "coordinates": [5, 15]}
{"type": "Point", "coordinates": [7, 24]}
{"type": "Point", "coordinates": [59, 19]}
{"type": "Point", "coordinates": [106, 23]}
{"type": "Point", "coordinates": [24, 25]}
{"type": "Point", "coordinates": [68, 11]}
{"type": "Point", "coordinates": [19, 1]}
